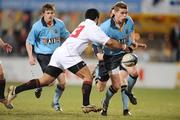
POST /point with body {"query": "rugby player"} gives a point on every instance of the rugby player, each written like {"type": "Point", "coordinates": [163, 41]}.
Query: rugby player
{"type": "Point", "coordinates": [121, 27]}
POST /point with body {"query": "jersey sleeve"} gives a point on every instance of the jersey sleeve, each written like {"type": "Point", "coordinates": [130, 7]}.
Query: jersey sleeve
{"type": "Point", "coordinates": [32, 36]}
{"type": "Point", "coordinates": [96, 48]}
{"type": "Point", "coordinates": [131, 30]}
{"type": "Point", "coordinates": [130, 24]}
{"type": "Point", "coordinates": [97, 35]}
{"type": "Point", "coordinates": [64, 32]}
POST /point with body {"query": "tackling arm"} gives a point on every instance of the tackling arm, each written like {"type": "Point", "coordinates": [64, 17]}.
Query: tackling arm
{"type": "Point", "coordinates": [112, 43]}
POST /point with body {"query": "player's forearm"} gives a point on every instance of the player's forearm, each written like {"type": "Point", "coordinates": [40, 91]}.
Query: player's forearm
{"type": "Point", "coordinates": [136, 45]}
{"type": "Point", "coordinates": [1, 43]}
{"type": "Point", "coordinates": [29, 50]}
{"type": "Point", "coordinates": [114, 44]}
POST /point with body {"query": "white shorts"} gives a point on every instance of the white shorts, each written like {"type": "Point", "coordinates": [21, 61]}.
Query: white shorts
{"type": "Point", "coordinates": [63, 60]}
{"type": "Point", "coordinates": [0, 62]}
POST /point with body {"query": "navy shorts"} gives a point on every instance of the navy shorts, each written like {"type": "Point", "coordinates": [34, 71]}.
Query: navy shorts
{"type": "Point", "coordinates": [109, 63]}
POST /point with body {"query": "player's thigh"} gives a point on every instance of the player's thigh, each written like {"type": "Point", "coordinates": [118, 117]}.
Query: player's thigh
{"type": "Point", "coordinates": [81, 70]}
{"type": "Point", "coordinates": [50, 74]}
{"type": "Point", "coordinates": [84, 73]}
{"type": "Point", "coordinates": [115, 79]}
{"type": "Point", "coordinates": [46, 79]}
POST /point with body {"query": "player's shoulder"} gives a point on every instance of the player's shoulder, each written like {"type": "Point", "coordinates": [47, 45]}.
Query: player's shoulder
{"type": "Point", "coordinates": [129, 20]}
{"type": "Point", "coordinates": [106, 23]}
{"type": "Point", "coordinates": [58, 21]}
{"type": "Point", "coordinates": [37, 24]}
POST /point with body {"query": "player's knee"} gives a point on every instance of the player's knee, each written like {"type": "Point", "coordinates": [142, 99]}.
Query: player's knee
{"type": "Point", "coordinates": [134, 73]}
{"type": "Point", "coordinates": [116, 87]}
{"type": "Point", "coordinates": [100, 89]}
{"type": "Point", "coordinates": [112, 89]}
{"type": "Point", "coordinates": [88, 79]}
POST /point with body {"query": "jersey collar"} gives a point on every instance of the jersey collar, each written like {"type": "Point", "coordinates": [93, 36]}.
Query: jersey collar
{"type": "Point", "coordinates": [44, 23]}
{"type": "Point", "coordinates": [113, 25]}
{"type": "Point", "coordinates": [90, 21]}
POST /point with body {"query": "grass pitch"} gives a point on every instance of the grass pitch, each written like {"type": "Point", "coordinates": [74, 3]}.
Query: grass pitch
{"type": "Point", "coordinates": [153, 104]}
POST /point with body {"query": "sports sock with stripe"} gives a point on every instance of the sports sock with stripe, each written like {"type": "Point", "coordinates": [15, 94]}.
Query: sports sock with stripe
{"type": "Point", "coordinates": [109, 93]}
{"type": "Point", "coordinates": [131, 82]}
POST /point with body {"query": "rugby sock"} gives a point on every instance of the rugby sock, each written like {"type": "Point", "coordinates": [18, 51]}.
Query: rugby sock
{"type": "Point", "coordinates": [131, 82]}
{"type": "Point", "coordinates": [2, 88]}
{"type": "Point", "coordinates": [34, 83]}
{"type": "Point", "coordinates": [125, 99]}
{"type": "Point", "coordinates": [58, 93]}
{"type": "Point", "coordinates": [86, 90]}
{"type": "Point", "coordinates": [109, 93]}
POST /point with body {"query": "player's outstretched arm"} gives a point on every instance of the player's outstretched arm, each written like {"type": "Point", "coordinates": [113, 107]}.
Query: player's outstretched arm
{"type": "Point", "coordinates": [136, 45]}
{"type": "Point", "coordinates": [114, 44]}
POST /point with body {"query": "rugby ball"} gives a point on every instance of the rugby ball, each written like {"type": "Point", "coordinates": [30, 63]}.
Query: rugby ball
{"type": "Point", "coordinates": [129, 59]}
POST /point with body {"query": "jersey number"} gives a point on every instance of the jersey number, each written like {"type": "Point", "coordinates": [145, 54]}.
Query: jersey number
{"type": "Point", "coordinates": [77, 31]}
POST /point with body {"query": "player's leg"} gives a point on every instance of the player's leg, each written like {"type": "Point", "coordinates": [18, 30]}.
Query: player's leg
{"type": "Point", "coordinates": [43, 61]}
{"type": "Point", "coordinates": [124, 85]}
{"type": "Point", "coordinates": [102, 76]}
{"type": "Point", "coordinates": [48, 77]}
{"type": "Point", "coordinates": [81, 70]}
{"type": "Point", "coordinates": [2, 89]}
{"type": "Point", "coordinates": [123, 74]}
{"type": "Point", "coordinates": [58, 92]}
{"type": "Point", "coordinates": [110, 92]}
{"type": "Point", "coordinates": [132, 78]}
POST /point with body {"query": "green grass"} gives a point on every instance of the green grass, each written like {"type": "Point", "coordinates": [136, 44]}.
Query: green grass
{"type": "Point", "coordinates": [153, 104]}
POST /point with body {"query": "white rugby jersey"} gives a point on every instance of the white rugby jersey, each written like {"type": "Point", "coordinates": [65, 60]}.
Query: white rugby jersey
{"type": "Point", "coordinates": [86, 32]}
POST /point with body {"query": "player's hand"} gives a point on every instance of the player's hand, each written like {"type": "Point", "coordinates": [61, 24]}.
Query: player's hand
{"type": "Point", "coordinates": [134, 45]}
{"type": "Point", "coordinates": [127, 49]}
{"type": "Point", "coordinates": [7, 47]}
{"type": "Point", "coordinates": [100, 56]}
{"type": "Point", "coordinates": [142, 45]}
{"type": "Point", "coordinates": [32, 60]}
